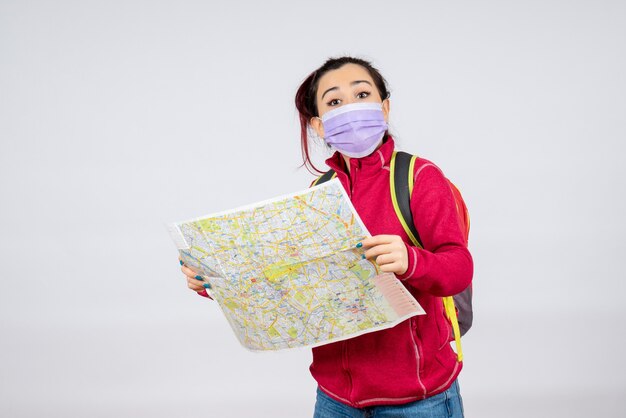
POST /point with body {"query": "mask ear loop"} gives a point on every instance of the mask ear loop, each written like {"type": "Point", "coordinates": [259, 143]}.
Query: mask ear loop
{"type": "Point", "coordinates": [320, 119]}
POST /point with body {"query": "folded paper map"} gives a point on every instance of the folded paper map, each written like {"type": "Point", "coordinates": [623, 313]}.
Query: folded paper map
{"type": "Point", "coordinates": [286, 272]}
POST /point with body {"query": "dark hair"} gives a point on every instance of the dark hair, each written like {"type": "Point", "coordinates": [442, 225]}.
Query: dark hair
{"type": "Point", "coordinates": [307, 92]}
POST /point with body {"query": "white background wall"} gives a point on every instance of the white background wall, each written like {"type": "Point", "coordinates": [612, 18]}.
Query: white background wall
{"type": "Point", "coordinates": [119, 117]}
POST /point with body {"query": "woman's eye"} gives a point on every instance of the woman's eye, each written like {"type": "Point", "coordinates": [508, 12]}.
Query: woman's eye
{"type": "Point", "coordinates": [363, 95]}
{"type": "Point", "coordinates": [333, 102]}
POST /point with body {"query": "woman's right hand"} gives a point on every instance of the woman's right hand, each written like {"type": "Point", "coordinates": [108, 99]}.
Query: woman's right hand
{"type": "Point", "coordinates": [194, 281]}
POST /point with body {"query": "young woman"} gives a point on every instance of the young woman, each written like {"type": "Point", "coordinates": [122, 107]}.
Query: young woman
{"type": "Point", "coordinates": [409, 370]}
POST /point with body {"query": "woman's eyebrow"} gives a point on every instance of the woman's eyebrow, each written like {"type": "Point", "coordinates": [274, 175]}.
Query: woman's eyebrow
{"type": "Point", "coordinates": [354, 83]}
{"type": "Point", "coordinates": [330, 89]}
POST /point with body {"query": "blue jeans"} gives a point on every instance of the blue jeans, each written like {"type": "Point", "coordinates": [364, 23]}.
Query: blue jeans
{"type": "Point", "coordinates": [447, 404]}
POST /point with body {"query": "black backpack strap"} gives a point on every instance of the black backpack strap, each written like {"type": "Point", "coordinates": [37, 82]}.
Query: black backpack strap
{"type": "Point", "coordinates": [324, 177]}
{"type": "Point", "coordinates": [401, 165]}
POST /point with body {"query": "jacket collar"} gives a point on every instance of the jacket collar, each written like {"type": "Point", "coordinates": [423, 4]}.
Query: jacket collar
{"type": "Point", "coordinates": [370, 164]}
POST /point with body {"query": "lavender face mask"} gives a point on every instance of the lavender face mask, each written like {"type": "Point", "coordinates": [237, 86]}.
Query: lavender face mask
{"type": "Point", "coordinates": [355, 129]}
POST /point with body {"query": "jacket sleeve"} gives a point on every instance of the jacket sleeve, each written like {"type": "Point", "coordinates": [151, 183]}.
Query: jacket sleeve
{"type": "Point", "coordinates": [205, 294]}
{"type": "Point", "coordinates": [444, 267]}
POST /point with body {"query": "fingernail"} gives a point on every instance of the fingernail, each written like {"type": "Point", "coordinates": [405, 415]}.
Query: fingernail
{"type": "Point", "coordinates": [181, 262]}
{"type": "Point", "coordinates": [198, 278]}
{"type": "Point", "coordinates": [359, 245]}
{"type": "Point", "coordinates": [206, 286]}
{"type": "Point", "coordinates": [363, 256]}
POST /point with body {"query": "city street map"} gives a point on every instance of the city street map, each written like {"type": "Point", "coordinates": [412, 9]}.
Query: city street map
{"type": "Point", "coordinates": [286, 272]}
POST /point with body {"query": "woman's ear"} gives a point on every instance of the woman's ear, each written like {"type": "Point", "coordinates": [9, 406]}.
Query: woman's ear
{"type": "Point", "coordinates": [317, 125]}
{"type": "Point", "coordinates": [386, 109]}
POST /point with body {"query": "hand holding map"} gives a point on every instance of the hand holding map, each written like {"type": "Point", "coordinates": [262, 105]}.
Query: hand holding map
{"type": "Point", "coordinates": [287, 273]}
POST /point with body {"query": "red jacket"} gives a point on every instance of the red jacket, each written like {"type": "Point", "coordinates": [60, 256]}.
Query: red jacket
{"type": "Point", "coordinates": [412, 360]}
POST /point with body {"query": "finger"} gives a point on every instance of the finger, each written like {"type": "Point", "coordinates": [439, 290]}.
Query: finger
{"type": "Point", "coordinates": [195, 285]}
{"type": "Point", "coordinates": [377, 240]}
{"type": "Point", "coordinates": [188, 272]}
{"type": "Point", "coordinates": [395, 267]}
{"type": "Point", "coordinates": [379, 250]}
{"type": "Point", "coordinates": [200, 283]}
{"type": "Point", "coordinates": [381, 260]}
{"type": "Point", "coordinates": [396, 246]}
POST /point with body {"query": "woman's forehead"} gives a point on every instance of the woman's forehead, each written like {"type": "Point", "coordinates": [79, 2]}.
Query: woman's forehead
{"type": "Point", "coordinates": [344, 76]}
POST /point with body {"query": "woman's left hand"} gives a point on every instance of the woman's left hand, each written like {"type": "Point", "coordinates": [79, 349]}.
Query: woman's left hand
{"type": "Point", "coordinates": [388, 251]}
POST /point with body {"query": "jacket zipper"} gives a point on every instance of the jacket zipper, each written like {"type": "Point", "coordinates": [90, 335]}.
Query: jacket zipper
{"type": "Point", "coordinates": [344, 363]}
{"type": "Point", "coordinates": [353, 171]}
{"type": "Point", "coordinates": [418, 353]}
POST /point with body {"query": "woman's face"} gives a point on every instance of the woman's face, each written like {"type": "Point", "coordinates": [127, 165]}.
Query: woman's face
{"type": "Point", "coordinates": [350, 83]}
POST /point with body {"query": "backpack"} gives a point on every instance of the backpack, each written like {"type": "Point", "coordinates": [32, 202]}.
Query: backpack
{"type": "Point", "coordinates": [458, 308]}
